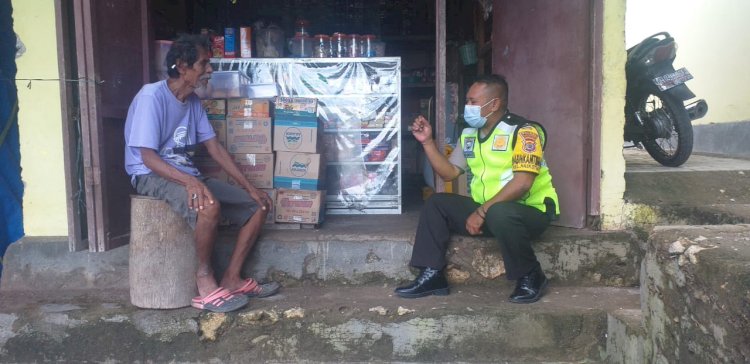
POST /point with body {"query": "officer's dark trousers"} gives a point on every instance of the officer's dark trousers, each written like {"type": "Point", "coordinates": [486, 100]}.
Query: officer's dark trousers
{"type": "Point", "coordinates": [512, 224]}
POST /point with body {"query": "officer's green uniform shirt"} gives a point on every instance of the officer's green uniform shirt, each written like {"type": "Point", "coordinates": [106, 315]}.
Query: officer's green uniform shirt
{"type": "Point", "coordinates": [515, 145]}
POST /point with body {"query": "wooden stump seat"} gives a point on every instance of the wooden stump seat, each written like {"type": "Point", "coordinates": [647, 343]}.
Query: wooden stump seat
{"type": "Point", "coordinates": [163, 261]}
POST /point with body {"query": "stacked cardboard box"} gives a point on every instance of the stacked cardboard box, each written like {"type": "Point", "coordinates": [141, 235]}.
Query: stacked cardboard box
{"type": "Point", "coordinates": [271, 217]}
{"type": "Point", "coordinates": [299, 163]}
{"type": "Point", "coordinates": [243, 127]}
{"type": "Point", "coordinates": [299, 171]}
{"type": "Point", "coordinates": [216, 110]}
{"type": "Point", "coordinates": [208, 167]}
{"type": "Point", "coordinates": [299, 206]}
{"type": "Point", "coordinates": [249, 142]}
{"type": "Point", "coordinates": [293, 176]}
{"type": "Point", "coordinates": [249, 135]}
{"type": "Point", "coordinates": [257, 168]}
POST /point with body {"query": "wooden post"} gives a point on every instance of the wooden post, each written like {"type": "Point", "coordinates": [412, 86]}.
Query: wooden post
{"type": "Point", "coordinates": [440, 85]}
{"type": "Point", "coordinates": [163, 262]}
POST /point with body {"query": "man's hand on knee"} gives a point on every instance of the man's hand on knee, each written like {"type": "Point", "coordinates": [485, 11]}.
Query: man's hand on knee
{"type": "Point", "coordinates": [198, 195]}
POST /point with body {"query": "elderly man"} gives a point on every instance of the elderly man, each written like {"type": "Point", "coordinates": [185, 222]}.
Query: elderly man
{"type": "Point", "coordinates": [165, 124]}
{"type": "Point", "coordinates": [512, 197]}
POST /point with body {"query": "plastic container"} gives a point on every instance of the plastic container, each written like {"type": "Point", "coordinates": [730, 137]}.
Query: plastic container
{"type": "Point", "coordinates": [301, 27]}
{"type": "Point", "coordinates": [379, 47]}
{"type": "Point", "coordinates": [161, 47]}
{"type": "Point", "coordinates": [468, 53]}
{"type": "Point", "coordinates": [321, 46]}
{"type": "Point", "coordinates": [354, 45]}
{"type": "Point", "coordinates": [301, 46]}
{"type": "Point", "coordinates": [339, 46]}
{"type": "Point", "coordinates": [222, 84]}
{"type": "Point", "coordinates": [260, 90]}
{"type": "Point", "coordinates": [269, 41]}
{"type": "Point", "coordinates": [368, 45]}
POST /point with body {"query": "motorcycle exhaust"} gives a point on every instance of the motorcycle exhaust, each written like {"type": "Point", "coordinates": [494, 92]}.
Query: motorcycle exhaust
{"type": "Point", "coordinates": [697, 109]}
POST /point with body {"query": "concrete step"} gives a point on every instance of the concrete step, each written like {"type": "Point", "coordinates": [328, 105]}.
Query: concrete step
{"type": "Point", "coordinates": [716, 193]}
{"type": "Point", "coordinates": [347, 250]}
{"type": "Point", "coordinates": [626, 337]}
{"type": "Point", "coordinates": [316, 324]}
{"type": "Point", "coordinates": [374, 254]}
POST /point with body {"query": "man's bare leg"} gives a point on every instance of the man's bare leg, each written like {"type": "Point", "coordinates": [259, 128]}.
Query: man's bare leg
{"type": "Point", "coordinates": [205, 236]}
{"type": "Point", "coordinates": [245, 241]}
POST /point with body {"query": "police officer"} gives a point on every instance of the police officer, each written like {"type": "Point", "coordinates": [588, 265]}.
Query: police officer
{"type": "Point", "coordinates": [512, 196]}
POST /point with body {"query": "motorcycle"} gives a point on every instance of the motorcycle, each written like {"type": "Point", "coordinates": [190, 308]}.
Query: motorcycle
{"type": "Point", "coordinates": [656, 116]}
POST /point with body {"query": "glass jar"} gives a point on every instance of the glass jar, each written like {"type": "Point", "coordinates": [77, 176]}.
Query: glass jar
{"type": "Point", "coordinates": [339, 46]}
{"type": "Point", "coordinates": [269, 41]}
{"type": "Point", "coordinates": [355, 48]}
{"type": "Point", "coordinates": [301, 47]}
{"type": "Point", "coordinates": [301, 28]}
{"type": "Point", "coordinates": [321, 46]}
{"type": "Point", "coordinates": [368, 45]}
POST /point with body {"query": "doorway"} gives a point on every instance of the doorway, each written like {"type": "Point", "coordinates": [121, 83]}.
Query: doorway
{"type": "Point", "coordinates": [514, 34]}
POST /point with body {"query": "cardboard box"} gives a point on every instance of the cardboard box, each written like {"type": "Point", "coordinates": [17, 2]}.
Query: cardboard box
{"type": "Point", "coordinates": [303, 171]}
{"type": "Point", "coordinates": [293, 108]}
{"type": "Point", "coordinates": [220, 128]}
{"type": "Point", "coordinates": [249, 135]}
{"type": "Point", "coordinates": [216, 109]}
{"type": "Point", "coordinates": [297, 135]}
{"type": "Point", "coordinates": [305, 207]}
{"type": "Point", "coordinates": [244, 108]}
{"type": "Point", "coordinates": [271, 217]}
{"type": "Point", "coordinates": [257, 168]}
{"type": "Point", "coordinates": [208, 167]}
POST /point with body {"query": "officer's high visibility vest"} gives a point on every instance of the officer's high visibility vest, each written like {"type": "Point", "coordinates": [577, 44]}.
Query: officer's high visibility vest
{"type": "Point", "coordinates": [491, 163]}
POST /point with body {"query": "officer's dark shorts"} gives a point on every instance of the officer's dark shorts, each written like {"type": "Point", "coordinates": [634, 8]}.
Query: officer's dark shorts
{"type": "Point", "coordinates": [237, 207]}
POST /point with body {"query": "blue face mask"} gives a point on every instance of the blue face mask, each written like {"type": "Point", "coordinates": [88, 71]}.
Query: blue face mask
{"type": "Point", "coordinates": [473, 115]}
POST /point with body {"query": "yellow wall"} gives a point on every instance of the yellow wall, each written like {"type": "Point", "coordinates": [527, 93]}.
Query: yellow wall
{"type": "Point", "coordinates": [713, 39]}
{"type": "Point", "coordinates": [613, 117]}
{"type": "Point", "coordinates": [40, 120]}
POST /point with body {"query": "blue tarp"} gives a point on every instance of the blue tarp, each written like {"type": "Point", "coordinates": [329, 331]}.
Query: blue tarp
{"type": "Point", "coordinates": [11, 187]}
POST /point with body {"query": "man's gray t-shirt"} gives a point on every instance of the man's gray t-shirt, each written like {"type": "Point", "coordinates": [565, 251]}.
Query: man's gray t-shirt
{"type": "Point", "coordinates": [158, 120]}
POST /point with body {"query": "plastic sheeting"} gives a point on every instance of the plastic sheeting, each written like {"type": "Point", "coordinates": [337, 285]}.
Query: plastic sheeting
{"type": "Point", "coordinates": [359, 105]}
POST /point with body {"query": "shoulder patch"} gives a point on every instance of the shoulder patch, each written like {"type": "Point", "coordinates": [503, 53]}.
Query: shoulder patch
{"type": "Point", "coordinates": [529, 138]}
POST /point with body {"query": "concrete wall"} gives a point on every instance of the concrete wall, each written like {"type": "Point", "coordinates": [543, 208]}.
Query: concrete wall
{"type": "Point", "coordinates": [714, 41]}
{"type": "Point", "coordinates": [40, 120]}
{"type": "Point", "coordinates": [613, 119]}
{"type": "Point", "coordinates": [729, 139]}
{"type": "Point", "coordinates": [695, 284]}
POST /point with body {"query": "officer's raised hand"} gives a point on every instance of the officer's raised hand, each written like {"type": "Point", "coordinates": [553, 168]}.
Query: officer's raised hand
{"type": "Point", "coordinates": [421, 129]}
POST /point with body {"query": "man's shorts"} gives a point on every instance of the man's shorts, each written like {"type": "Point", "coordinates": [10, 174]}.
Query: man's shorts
{"type": "Point", "coordinates": [236, 204]}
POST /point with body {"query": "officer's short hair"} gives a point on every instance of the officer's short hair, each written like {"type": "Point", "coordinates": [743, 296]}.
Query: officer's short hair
{"type": "Point", "coordinates": [496, 81]}
{"type": "Point", "coordinates": [185, 48]}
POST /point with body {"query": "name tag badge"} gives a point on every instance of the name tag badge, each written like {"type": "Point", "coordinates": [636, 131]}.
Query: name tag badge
{"type": "Point", "coordinates": [500, 143]}
{"type": "Point", "coordinates": [469, 147]}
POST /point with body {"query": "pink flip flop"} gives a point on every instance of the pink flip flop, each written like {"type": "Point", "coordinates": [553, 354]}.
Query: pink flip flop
{"type": "Point", "coordinates": [220, 300]}
{"type": "Point", "coordinates": [252, 289]}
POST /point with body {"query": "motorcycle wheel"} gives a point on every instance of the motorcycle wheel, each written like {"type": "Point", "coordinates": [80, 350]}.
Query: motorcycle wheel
{"type": "Point", "coordinates": [663, 112]}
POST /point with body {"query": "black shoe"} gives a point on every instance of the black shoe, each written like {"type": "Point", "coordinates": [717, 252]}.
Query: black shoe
{"type": "Point", "coordinates": [530, 287]}
{"type": "Point", "coordinates": [430, 281]}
